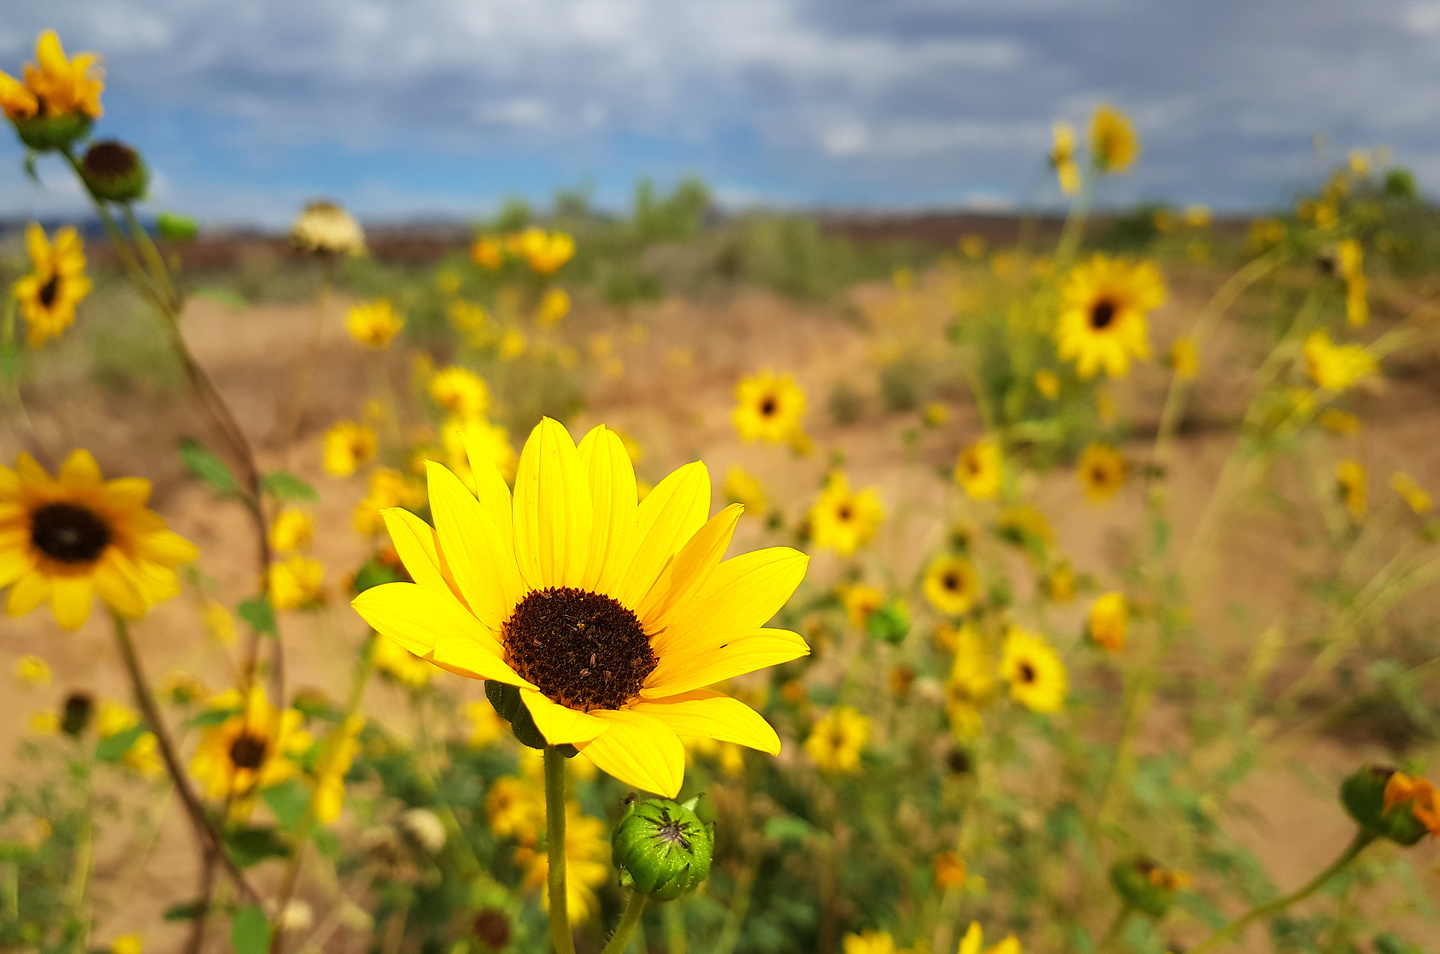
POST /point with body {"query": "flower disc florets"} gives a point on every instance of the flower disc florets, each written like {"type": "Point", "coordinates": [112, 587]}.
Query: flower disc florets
{"type": "Point", "coordinates": [582, 650]}
{"type": "Point", "coordinates": [69, 534]}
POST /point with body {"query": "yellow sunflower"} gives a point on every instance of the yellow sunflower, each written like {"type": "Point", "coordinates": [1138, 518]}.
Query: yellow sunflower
{"type": "Point", "coordinates": [768, 407]}
{"type": "Point", "coordinates": [1103, 309]}
{"type": "Point", "coordinates": [1109, 621]}
{"type": "Point", "coordinates": [254, 748]}
{"type": "Point", "coordinates": [974, 942]}
{"type": "Point", "coordinates": [1113, 143]}
{"type": "Point", "coordinates": [1036, 675]}
{"type": "Point", "coordinates": [1101, 472]}
{"type": "Point", "coordinates": [609, 615]}
{"type": "Point", "coordinates": [843, 519]}
{"type": "Point", "coordinates": [745, 488]}
{"type": "Point", "coordinates": [347, 446]}
{"type": "Point", "coordinates": [1062, 158]}
{"type": "Point", "coordinates": [836, 741]}
{"type": "Point", "coordinates": [57, 86]}
{"type": "Point", "coordinates": [1415, 496]}
{"type": "Point", "coordinates": [401, 665]}
{"type": "Point", "coordinates": [1336, 367]}
{"type": "Point", "coordinates": [978, 470]}
{"type": "Point", "coordinates": [67, 538]}
{"type": "Point", "coordinates": [374, 325]}
{"type": "Point", "coordinates": [1350, 483]}
{"type": "Point", "coordinates": [460, 391]}
{"type": "Point", "coordinates": [49, 294]}
{"type": "Point", "coordinates": [951, 585]}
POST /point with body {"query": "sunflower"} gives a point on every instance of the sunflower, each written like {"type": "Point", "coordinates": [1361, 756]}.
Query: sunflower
{"type": "Point", "coordinates": [1062, 158]}
{"type": "Point", "coordinates": [253, 748]}
{"type": "Point", "coordinates": [870, 942]}
{"type": "Point", "coordinates": [347, 446]}
{"type": "Point", "coordinates": [951, 585]}
{"type": "Point", "coordinates": [1350, 484]}
{"type": "Point", "coordinates": [465, 437]}
{"type": "Point", "coordinates": [1415, 496]}
{"type": "Point", "coordinates": [554, 306]}
{"type": "Point", "coordinates": [1036, 675]}
{"type": "Point", "coordinates": [745, 488]}
{"type": "Point", "coordinates": [295, 582]}
{"type": "Point", "coordinates": [1109, 622]}
{"type": "Point", "coordinates": [860, 601]}
{"type": "Point", "coordinates": [57, 86]}
{"type": "Point", "coordinates": [1336, 367]}
{"type": "Point", "coordinates": [978, 469]}
{"type": "Point", "coordinates": [971, 682]}
{"type": "Point", "coordinates": [1113, 143]}
{"type": "Point", "coordinates": [836, 741]}
{"type": "Point", "coordinates": [1419, 794]}
{"type": "Point", "coordinates": [393, 660]}
{"type": "Point", "coordinates": [1101, 472]}
{"type": "Point", "coordinates": [610, 616]}
{"type": "Point", "coordinates": [1102, 320]}
{"type": "Point", "coordinates": [768, 407]}
{"type": "Point", "coordinates": [843, 519]}
{"type": "Point", "coordinates": [543, 251]}
{"type": "Point", "coordinates": [460, 391]}
{"type": "Point", "coordinates": [67, 538]}
{"type": "Point", "coordinates": [374, 325]}
{"type": "Point", "coordinates": [974, 941]}
{"type": "Point", "coordinates": [291, 530]}
{"type": "Point", "coordinates": [49, 294]}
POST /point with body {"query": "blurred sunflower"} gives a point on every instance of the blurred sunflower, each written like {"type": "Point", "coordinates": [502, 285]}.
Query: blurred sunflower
{"type": "Point", "coordinates": [1113, 143]}
{"type": "Point", "coordinates": [347, 446]}
{"type": "Point", "coordinates": [587, 864]}
{"type": "Point", "coordinates": [291, 530]}
{"type": "Point", "coordinates": [1419, 794]}
{"type": "Point", "coordinates": [255, 747]}
{"type": "Point", "coordinates": [295, 582]}
{"type": "Point", "coordinates": [978, 469]}
{"type": "Point", "coordinates": [67, 538]}
{"type": "Point", "coordinates": [971, 682]}
{"type": "Point", "coordinates": [860, 600]}
{"type": "Point", "coordinates": [1185, 359]}
{"type": "Point", "coordinates": [870, 942]}
{"type": "Point", "coordinates": [1350, 484]}
{"type": "Point", "coordinates": [1062, 158]}
{"type": "Point", "coordinates": [1102, 472]}
{"type": "Point", "coordinates": [836, 741]}
{"type": "Point", "coordinates": [745, 488]}
{"type": "Point", "coordinates": [951, 585]}
{"type": "Point", "coordinates": [1036, 675]}
{"type": "Point", "coordinates": [843, 519]}
{"type": "Point", "coordinates": [57, 283]}
{"type": "Point", "coordinates": [1108, 624]}
{"type": "Point", "coordinates": [375, 324]}
{"type": "Point", "coordinates": [460, 391]}
{"type": "Point", "coordinates": [554, 306]}
{"type": "Point", "coordinates": [55, 87]}
{"type": "Point", "coordinates": [768, 407]}
{"type": "Point", "coordinates": [1336, 367]}
{"type": "Point", "coordinates": [974, 941]}
{"type": "Point", "coordinates": [610, 616]}
{"type": "Point", "coordinates": [1415, 496]}
{"type": "Point", "coordinates": [393, 660]}
{"type": "Point", "coordinates": [1103, 309]}
{"type": "Point", "coordinates": [465, 438]}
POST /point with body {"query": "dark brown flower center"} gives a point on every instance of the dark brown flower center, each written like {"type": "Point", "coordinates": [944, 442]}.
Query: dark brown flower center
{"type": "Point", "coordinates": [1027, 672]}
{"type": "Point", "coordinates": [769, 406]}
{"type": "Point", "coordinates": [110, 158]}
{"type": "Point", "coordinates": [844, 513]}
{"type": "Point", "coordinates": [50, 291]}
{"type": "Point", "coordinates": [582, 650]}
{"type": "Point", "coordinates": [68, 533]}
{"type": "Point", "coordinates": [952, 582]}
{"type": "Point", "coordinates": [1102, 314]}
{"type": "Point", "coordinates": [492, 927]}
{"type": "Point", "coordinates": [248, 752]}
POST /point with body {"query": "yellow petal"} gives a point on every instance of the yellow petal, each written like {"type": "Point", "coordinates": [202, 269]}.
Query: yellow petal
{"type": "Point", "coordinates": [613, 501]}
{"type": "Point", "coordinates": [552, 510]}
{"type": "Point", "coordinates": [28, 592]}
{"type": "Point", "coordinates": [30, 472]}
{"type": "Point", "coordinates": [118, 588]}
{"type": "Point", "coordinates": [15, 562]}
{"type": "Point", "coordinates": [414, 540]}
{"type": "Point", "coordinates": [467, 655]}
{"type": "Point", "coordinates": [70, 598]}
{"type": "Point", "coordinates": [756, 650]}
{"type": "Point", "coordinates": [973, 939]}
{"type": "Point", "coordinates": [560, 724]}
{"type": "Point", "coordinates": [80, 470]}
{"type": "Point", "coordinates": [168, 547]}
{"type": "Point", "coordinates": [707, 714]}
{"type": "Point", "coordinates": [36, 244]}
{"type": "Point", "coordinates": [418, 618]}
{"type": "Point", "coordinates": [690, 569]}
{"type": "Point", "coordinates": [132, 490]}
{"type": "Point", "coordinates": [666, 519]}
{"type": "Point", "coordinates": [639, 750]}
{"type": "Point", "coordinates": [742, 593]}
{"type": "Point", "coordinates": [483, 567]}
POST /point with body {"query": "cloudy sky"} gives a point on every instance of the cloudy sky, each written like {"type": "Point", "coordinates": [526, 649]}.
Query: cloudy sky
{"type": "Point", "coordinates": [411, 108]}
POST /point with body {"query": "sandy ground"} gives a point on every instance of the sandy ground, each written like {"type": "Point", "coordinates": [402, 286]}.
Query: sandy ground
{"type": "Point", "coordinates": [678, 413]}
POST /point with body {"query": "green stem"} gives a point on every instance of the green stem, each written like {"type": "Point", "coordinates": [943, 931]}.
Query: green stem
{"type": "Point", "coordinates": [560, 935]}
{"type": "Point", "coordinates": [1075, 223]}
{"type": "Point", "coordinates": [158, 270]}
{"type": "Point", "coordinates": [12, 891]}
{"type": "Point", "coordinates": [629, 921]}
{"type": "Point", "coordinates": [1117, 927]}
{"type": "Point", "coordinates": [1234, 929]}
{"type": "Point", "coordinates": [674, 916]}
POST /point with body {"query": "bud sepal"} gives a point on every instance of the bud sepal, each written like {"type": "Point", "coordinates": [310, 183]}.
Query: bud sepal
{"type": "Point", "coordinates": [663, 848]}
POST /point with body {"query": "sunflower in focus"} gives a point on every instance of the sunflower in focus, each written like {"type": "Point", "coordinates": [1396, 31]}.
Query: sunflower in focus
{"type": "Point", "coordinates": [66, 539]}
{"type": "Point", "coordinates": [978, 469]}
{"type": "Point", "coordinates": [843, 519]}
{"type": "Point", "coordinates": [1036, 675]}
{"type": "Point", "coordinates": [1103, 309]}
{"type": "Point", "coordinates": [609, 615]}
{"type": "Point", "coordinates": [255, 747]}
{"type": "Point", "coordinates": [1102, 472]}
{"type": "Point", "coordinates": [836, 741]}
{"type": "Point", "coordinates": [1062, 158]}
{"type": "Point", "coordinates": [1113, 143]}
{"type": "Point", "coordinates": [951, 585]}
{"type": "Point", "coordinates": [768, 407]}
{"type": "Point", "coordinates": [56, 85]}
{"type": "Point", "coordinates": [57, 283]}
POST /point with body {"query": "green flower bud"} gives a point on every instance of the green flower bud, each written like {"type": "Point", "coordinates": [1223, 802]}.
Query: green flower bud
{"type": "Point", "coordinates": [1363, 795]}
{"type": "Point", "coordinates": [176, 228]}
{"type": "Point", "coordinates": [663, 848]}
{"type": "Point", "coordinates": [890, 622]}
{"type": "Point", "coordinates": [114, 172]}
{"type": "Point", "coordinates": [1146, 886]}
{"type": "Point", "coordinates": [47, 133]}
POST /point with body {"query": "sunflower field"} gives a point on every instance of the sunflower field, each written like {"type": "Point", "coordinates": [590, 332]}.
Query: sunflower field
{"type": "Point", "coordinates": [680, 583]}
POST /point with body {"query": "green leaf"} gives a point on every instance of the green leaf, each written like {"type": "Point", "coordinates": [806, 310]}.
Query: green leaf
{"type": "Point", "coordinates": [250, 931]}
{"type": "Point", "coordinates": [222, 296]}
{"type": "Point", "coordinates": [210, 717]}
{"type": "Point", "coordinates": [788, 828]}
{"type": "Point", "coordinates": [252, 844]}
{"type": "Point", "coordinates": [188, 911]}
{"type": "Point", "coordinates": [286, 486]}
{"type": "Point", "coordinates": [327, 841]}
{"type": "Point", "coordinates": [289, 801]}
{"type": "Point", "coordinates": [114, 748]}
{"type": "Point", "coordinates": [258, 612]}
{"type": "Point", "coordinates": [208, 467]}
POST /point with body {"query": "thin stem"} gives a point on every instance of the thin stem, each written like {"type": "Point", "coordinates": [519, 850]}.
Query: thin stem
{"type": "Point", "coordinates": [296, 414]}
{"type": "Point", "coordinates": [560, 935]}
{"type": "Point", "coordinates": [12, 890]}
{"type": "Point", "coordinates": [1232, 931]}
{"type": "Point", "coordinates": [1075, 222]}
{"type": "Point", "coordinates": [1117, 928]}
{"type": "Point", "coordinates": [674, 916]}
{"type": "Point", "coordinates": [209, 839]}
{"type": "Point", "coordinates": [629, 921]}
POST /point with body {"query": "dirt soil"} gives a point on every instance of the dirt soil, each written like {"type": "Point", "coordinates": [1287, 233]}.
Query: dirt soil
{"type": "Point", "coordinates": [677, 411]}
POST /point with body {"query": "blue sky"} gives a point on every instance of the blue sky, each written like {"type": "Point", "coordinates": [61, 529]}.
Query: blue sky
{"type": "Point", "coordinates": [421, 108]}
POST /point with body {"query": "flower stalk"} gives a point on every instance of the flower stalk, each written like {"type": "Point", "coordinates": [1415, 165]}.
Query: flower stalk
{"type": "Point", "coordinates": [629, 921]}
{"type": "Point", "coordinates": [560, 936]}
